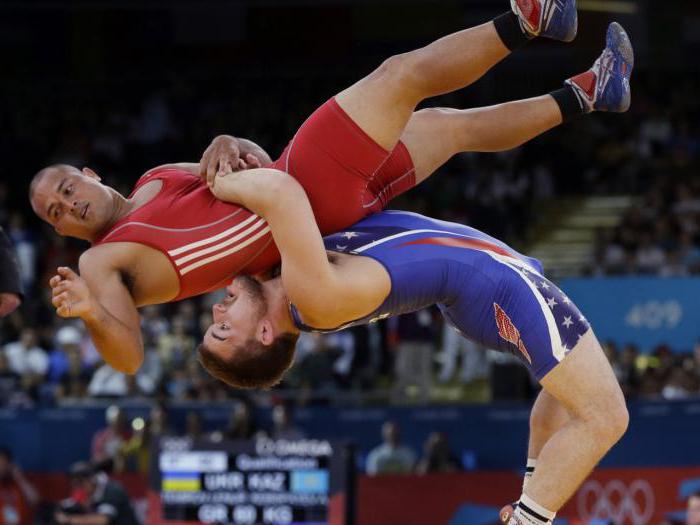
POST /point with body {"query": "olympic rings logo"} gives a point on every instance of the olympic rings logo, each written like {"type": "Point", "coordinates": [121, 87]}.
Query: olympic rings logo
{"type": "Point", "coordinates": [617, 502]}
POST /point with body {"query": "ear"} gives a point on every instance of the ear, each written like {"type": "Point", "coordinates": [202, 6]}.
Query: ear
{"type": "Point", "coordinates": [89, 173]}
{"type": "Point", "coordinates": [266, 334]}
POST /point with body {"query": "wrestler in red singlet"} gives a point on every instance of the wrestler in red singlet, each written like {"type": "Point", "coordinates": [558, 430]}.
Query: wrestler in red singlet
{"type": "Point", "coordinates": [346, 175]}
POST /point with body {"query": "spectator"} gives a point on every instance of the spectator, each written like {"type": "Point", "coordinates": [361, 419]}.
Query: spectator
{"type": "Point", "coordinates": [108, 382]}
{"type": "Point", "coordinates": [678, 386]}
{"type": "Point", "coordinates": [68, 340]}
{"type": "Point", "coordinates": [151, 371]}
{"type": "Point", "coordinates": [73, 383]}
{"type": "Point", "coordinates": [107, 442]}
{"type": "Point", "coordinates": [628, 371]}
{"type": "Point", "coordinates": [25, 248]}
{"type": "Point", "coordinates": [135, 453]}
{"type": "Point", "coordinates": [10, 382]}
{"type": "Point", "coordinates": [193, 426]}
{"type": "Point", "coordinates": [472, 355]}
{"type": "Point", "coordinates": [10, 284]}
{"type": "Point", "coordinates": [176, 345]}
{"type": "Point", "coordinates": [693, 510]}
{"type": "Point", "coordinates": [18, 497]}
{"type": "Point", "coordinates": [158, 421]}
{"type": "Point", "coordinates": [412, 337]}
{"type": "Point", "coordinates": [391, 457]}
{"type": "Point", "coordinates": [650, 257]}
{"type": "Point", "coordinates": [240, 424]}
{"type": "Point", "coordinates": [283, 425]}
{"type": "Point", "coordinates": [26, 357]}
{"type": "Point", "coordinates": [437, 457]}
{"type": "Point", "coordinates": [95, 499]}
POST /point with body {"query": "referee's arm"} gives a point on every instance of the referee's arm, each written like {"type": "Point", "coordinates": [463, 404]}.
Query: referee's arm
{"type": "Point", "coordinates": [10, 284]}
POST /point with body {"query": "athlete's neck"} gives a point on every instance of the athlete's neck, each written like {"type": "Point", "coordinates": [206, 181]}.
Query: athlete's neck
{"type": "Point", "coordinates": [279, 304]}
{"type": "Point", "coordinates": [121, 207]}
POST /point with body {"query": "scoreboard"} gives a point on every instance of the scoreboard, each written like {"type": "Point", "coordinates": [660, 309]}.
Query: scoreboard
{"type": "Point", "coordinates": [257, 482]}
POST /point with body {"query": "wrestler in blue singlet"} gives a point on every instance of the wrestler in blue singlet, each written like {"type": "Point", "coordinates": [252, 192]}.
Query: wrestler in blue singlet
{"type": "Point", "coordinates": [488, 291]}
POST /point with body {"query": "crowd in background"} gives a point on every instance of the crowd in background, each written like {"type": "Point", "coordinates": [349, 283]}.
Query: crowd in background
{"type": "Point", "coordinates": [651, 153]}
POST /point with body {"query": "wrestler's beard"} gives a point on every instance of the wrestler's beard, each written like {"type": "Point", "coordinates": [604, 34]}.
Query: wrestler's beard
{"type": "Point", "coordinates": [254, 289]}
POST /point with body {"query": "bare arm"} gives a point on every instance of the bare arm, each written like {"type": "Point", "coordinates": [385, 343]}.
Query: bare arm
{"type": "Point", "coordinates": [310, 281]}
{"type": "Point", "coordinates": [100, 298]}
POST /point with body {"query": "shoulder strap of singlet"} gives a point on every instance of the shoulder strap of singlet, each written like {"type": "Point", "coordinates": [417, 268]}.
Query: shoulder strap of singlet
{"type": "Point", "coordinates": [296, 318]}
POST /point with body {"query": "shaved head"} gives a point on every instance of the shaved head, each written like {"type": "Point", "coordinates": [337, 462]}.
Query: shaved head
{"type": "Point", "coordinates": [36, 180]}
{"type": "Point", "coordinates": [73, 201]}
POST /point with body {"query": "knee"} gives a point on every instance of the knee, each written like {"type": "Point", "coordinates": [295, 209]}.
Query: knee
{"type": "Point", "coordinates": [400, 69]}
{"type": "Point", "coordinates": [620, 420]}
{"type": "Point", "coordinates": [611, 421]}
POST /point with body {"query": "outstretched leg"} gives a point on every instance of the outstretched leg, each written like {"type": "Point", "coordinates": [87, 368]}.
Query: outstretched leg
{"type": "Point", "coordinates": [434, 135]}
{"type": "Point", "coordinates": [382, 103]}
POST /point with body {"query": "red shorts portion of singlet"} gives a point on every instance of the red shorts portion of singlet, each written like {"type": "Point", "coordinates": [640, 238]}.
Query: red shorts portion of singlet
{"type": "Point", "coordinates": [345, 173]}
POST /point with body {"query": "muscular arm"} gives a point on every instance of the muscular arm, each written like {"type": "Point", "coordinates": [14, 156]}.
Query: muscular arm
{"type": "Point", "coordinates": [113, 321]}
{"type": "Point", "coordinates": [101, 299]}
{"type": "Point", "coordinates": [310, 281]}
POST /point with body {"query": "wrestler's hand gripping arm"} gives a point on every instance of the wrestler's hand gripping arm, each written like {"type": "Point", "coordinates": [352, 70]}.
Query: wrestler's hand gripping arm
{"type": "Point", "coordinates": [224, 154]}
{"type": "Point", "coordinates": [311, 282]}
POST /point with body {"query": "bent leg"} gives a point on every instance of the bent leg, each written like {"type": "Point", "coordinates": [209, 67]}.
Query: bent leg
{"type": "Point", "coordinates": [434, 135]}
{"type": "Point", "coordinates": [382, 103]}
{"type": "Point", "coordinates": [548, 416]}
{"type": "Point", "coordinates": [586, 386]}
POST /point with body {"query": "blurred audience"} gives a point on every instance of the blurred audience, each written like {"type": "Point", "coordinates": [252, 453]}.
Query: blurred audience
{"type": "Point", "coordinates": [693, 510]}
{"type": "Point", "coordinates": [437, 456]}
{"type": "Point", "coordinates": [391, 457]}
{"type": "Point", "coordinates": [95, 499]}
{"type": "Point", "coordinates": [10, 281]}
{"type": "Point", "coordinates": [107, 442]}
{"type": "Point", "coordinates": [240, 424]}
{"type": "Point", "coordinates": [18, 497]}
{"type": "Point", "coordinates": [283, 426]}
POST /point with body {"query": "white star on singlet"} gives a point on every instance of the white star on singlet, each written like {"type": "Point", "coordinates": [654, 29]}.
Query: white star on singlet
{"type": "Point", "coordinates": [350, 235]}
{"type": "Point", "coordinates": [545, 286]}
{"type": "Point", "coordinates": [567, 300]}
{"type": "Point", "coordinates": [340, 248]}
{"type": "Point", "coordinates": [567, 321]}
{"type": "Point", "coordinates": [552, 303]}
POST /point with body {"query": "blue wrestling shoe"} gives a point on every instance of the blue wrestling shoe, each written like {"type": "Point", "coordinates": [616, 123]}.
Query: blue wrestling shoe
{"type": "Point", "coordinates": [606, 86]}
{"type": "Point", "coordinates": [555, 19]}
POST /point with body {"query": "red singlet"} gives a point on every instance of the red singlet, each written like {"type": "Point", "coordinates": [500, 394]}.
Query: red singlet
{"type": "Point", "coordinates": [346, 175]}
